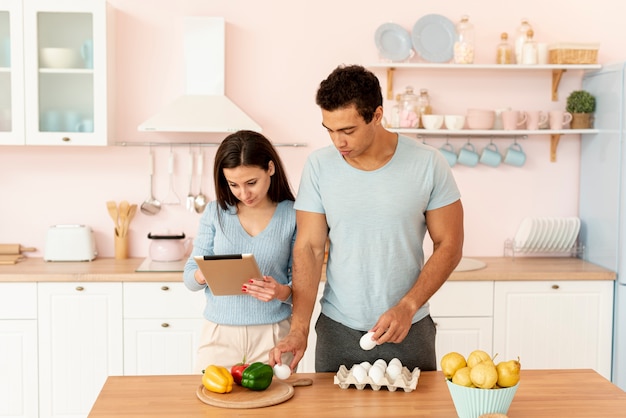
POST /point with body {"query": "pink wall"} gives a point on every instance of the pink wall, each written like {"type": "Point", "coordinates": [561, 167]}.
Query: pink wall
{"type": "Point", "coordinates": [277, 53]}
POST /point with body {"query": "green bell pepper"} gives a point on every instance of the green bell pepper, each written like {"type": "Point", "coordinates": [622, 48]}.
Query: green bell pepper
{"type": "Point", "coordinates": [257, 376]}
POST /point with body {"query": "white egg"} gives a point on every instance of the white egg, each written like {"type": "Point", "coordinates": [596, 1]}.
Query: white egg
{"type": "Point", "coordinates": [395, 361]}
{"type": "Point", "coordinates": [366, 365]}
{"type": "Point", "coordinates": [282, 371]}
{"type": "Point", "coordinates": [377, 374]}
{"type": "Point", "coordinates": [366, 341]}
{"type": "Point", "coordinates": [381, 363]}
{"type": "Point", "coordinates": [393, 371]}
{"type": "Point", "coordinates": [359, 373]}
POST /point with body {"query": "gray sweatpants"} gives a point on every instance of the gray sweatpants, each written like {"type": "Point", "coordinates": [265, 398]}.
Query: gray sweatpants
{"type": "Point", "coordinates": [338, 344]}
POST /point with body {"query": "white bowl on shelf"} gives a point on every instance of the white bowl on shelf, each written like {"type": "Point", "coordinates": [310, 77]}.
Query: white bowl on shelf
{"type": "Point", "coordinates": [59, 58]}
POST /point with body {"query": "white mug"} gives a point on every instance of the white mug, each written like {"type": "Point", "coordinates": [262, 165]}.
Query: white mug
{"type": "Point", "coordinates": [559, 118]}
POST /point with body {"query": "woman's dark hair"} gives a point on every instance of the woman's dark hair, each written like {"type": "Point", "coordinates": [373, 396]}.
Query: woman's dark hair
{"type": "Point", "coordinates": [351, 85]}
{"type": "Point", "coordinates": [248, 148]}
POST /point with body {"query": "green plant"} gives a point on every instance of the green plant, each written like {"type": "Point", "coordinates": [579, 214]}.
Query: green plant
{"type": "Point", "coordinates": [580, 101]}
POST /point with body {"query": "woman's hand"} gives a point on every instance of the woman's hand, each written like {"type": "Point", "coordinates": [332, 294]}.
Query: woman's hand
{"type": "Point", "coordinates": [266, 289]}
{"type": "Point", "coordinates": [199, 277]}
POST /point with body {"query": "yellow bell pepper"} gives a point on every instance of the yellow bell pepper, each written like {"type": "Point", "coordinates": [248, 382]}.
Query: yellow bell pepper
{"type": "Point", "coordinates": [217, 379]}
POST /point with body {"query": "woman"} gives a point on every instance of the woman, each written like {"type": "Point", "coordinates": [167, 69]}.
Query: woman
{"type": "Point", "coordinates": [253, 213]}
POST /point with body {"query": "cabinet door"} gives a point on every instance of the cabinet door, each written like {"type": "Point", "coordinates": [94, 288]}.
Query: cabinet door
{"type": "Point", "coordinates": [18, 368]}
{"type": "Point", "coordinates": [66, 72]}
{"type": "Point", "coordinates": [555, 325]}
{"type": "Point", "coordinates": [462, 335]}
{"type": "Point", "coordinates": [11, 73]}
{"type": "Point", "coordinates": [160, 347]}
{"type": "Point", "coordinates": [80, 344]}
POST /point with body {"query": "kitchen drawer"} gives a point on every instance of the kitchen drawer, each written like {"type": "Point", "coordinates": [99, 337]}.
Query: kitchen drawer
{"type": "Point", "coordinates": [162, 300]}
{"type": "Point", "coordinates": [18, 300]}
{"type": "Point", "coordinates": [463, 299]}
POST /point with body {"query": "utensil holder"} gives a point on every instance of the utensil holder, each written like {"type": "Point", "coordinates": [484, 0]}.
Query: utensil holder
{"type": "Point", "coordinates": [121, 247]}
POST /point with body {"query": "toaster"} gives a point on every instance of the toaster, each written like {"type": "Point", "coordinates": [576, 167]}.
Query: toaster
{"type": "Point", "coordinates": [70, 243]}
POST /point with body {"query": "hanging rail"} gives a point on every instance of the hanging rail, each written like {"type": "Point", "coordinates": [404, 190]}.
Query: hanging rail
{"type": "Point", "coordinates": [197, 144]}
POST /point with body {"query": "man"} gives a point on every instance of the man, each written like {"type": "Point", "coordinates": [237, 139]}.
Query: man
{"type": "Point", "coordinates": [373, 195]}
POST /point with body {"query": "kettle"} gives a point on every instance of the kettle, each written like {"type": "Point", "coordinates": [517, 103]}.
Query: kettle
{"type": "Point", "coordinates": [168, 247]}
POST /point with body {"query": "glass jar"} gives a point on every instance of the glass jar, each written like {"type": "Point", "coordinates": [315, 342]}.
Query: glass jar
{"type": "Point", "coordinates": [464, 45]}
{"type": "Point", "coordinates": [521, 37]}
{"type": "Point", "coordinates": [504, 52]}
{"type": "Point", "coordinates": [423, 105]}
{"type": "Point", "coordinates": [395, 113]}
{"type": "Point", "coordinates": [409, 113]}
{"type": "Point", "coordinates": [529, 51]}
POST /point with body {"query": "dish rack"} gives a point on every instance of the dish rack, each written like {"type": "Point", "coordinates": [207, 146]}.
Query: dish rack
{"type": "Point", "coordinates": [511, 250]}
{"type": "Point", "coordinates": [546, 236]}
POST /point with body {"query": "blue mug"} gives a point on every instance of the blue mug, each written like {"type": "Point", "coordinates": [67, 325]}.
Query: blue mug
{"type": "Point", "coordinates": [448, 151]}
{"type": "Point", "coordinates": [468, 155]}
{"type": "Point", "coordinates": [86, 52]}
{"type": "Point", "coordinates": [491, 156]}
{"type": "Point", "coordinates": [515, 155]}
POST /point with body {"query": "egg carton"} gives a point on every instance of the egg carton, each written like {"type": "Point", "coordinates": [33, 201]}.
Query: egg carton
{"type": "Point", "coordinates": [407, 380]}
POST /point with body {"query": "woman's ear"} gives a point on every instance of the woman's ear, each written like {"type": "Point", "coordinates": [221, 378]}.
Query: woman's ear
{"type": "Point", "coordinates": [271, 169]}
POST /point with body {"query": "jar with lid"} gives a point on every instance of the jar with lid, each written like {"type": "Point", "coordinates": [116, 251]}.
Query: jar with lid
{"type": "Point", "coordinates": [529, 51]}
{"type": "Point", "coordinates": [423, 105]}
{"type": "Point", "coordinates": [395, 112]}
{"type": "Point", "coordinates": [464, 44]}
{"type": "Point", "coordinates": [504, 52]}
{"type": "Point", "coordinates": [521, 37]}
{"type": "Point", "coordinates": [409, 113]}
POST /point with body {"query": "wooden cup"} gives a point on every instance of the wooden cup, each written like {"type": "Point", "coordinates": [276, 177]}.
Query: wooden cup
{"type": "Point", "coordinates": [121, 247]}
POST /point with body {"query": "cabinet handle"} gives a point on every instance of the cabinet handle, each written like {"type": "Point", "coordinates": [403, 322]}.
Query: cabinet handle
{"type": "Point", "coordinates": [555, 286]}
{"type": "Point", "coordinates": [165, 325]}
{"type": "Point", "coordinates": [165, 288]}
{"type": "Point", "coordinates": [79, 288]}
{"type": "Point", "coordinates": [65, 139]}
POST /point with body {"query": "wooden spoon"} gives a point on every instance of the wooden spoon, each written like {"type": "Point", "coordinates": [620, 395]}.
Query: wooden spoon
{"type": "Point", "coordinates": [112, 208]}
{"type": "Point", "coordinates": [123, 214]}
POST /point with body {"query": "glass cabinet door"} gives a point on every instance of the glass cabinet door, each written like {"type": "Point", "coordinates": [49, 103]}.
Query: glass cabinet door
{"type": "Point", "coordinates": [11, 74]}
{"type": "Point", "coordinates": [66, 58]}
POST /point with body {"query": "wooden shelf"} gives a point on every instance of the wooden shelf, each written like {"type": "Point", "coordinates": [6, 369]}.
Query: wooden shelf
{"type": "Point", "coordinates": [555, 135]}
{"type": "Point", "coordinates": [557, 71]}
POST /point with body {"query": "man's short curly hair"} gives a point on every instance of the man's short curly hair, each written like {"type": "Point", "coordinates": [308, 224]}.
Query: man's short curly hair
{"type": "Point", "coordinates": [351, 85]}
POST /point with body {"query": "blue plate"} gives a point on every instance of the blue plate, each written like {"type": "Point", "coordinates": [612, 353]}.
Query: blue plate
{"type": "Point", "coordinates": [433, 38]}
{"type": "Point", "coordinates": [393, 42]}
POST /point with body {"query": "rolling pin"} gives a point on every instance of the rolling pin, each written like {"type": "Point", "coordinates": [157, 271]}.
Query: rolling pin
{"type": "Point", "coordinates": [14, 249]}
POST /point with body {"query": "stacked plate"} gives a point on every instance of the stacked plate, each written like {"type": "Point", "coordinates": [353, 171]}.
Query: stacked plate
{"type": "Point", "coordinates": [547, 234]}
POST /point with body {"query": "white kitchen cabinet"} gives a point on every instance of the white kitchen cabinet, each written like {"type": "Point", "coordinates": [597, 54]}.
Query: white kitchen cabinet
{"type": "Point", "coordinates": [162, 325]}
{"type": "Point", "coordinates": [56, 89]}
{"type": "Point", "coordinates": [80, 344]}
{"type": "Point", "coordinates": [18, 350]}
{"type": "Point", "coordinates": [555, 325]}
{"type": "Point", "coordinates": [463, 315]}
{"type": "Point", "coordinates": [307, 363]}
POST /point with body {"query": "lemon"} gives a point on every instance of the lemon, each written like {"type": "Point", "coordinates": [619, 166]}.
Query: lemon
{"type": "Point", "coordinates": [452, 362]}
{"type": "Point", "coordinates": [477, 356]}
{"type": "Point", "coordinates": [508, 373]}
{"type": "Point", "coordinates": [462, 377]}
{"type": "Point", "coordinates": [484, 375]}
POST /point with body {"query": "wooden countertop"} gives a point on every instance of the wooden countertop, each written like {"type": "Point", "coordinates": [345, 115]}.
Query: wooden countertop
{"type": "Point", "coordinates": [542, 393]}
{"type": "Point", "coordinates": [111, 270]}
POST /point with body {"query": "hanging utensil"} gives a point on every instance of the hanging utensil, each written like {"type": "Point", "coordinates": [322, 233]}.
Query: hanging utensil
{"type": "Point", "coordinates": [172, 198]}
{"type": "Point", "coordinates": [201, 200]}
{"type": "Point", "coordinates": [190, 195]}
{"type": "Point", "coordinates": [151, 206]}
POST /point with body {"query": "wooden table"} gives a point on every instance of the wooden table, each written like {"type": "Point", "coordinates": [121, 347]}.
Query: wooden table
{"type": "Point", "coordinates": [542, 393]}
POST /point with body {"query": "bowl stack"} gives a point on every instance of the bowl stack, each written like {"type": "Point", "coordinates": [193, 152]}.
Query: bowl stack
{"type": "Point", "coordinates": [480, 119]}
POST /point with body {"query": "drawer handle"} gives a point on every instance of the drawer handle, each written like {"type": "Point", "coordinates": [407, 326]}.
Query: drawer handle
{"type": "Point", "coordinates": [79, 288]}
{"type": "Point", "coordinates": [65, 139]}
{"type": "Point", "coordinates": [165, 325]}
{"type": "Point", "coordinates": [165, 288]}
{"type": "Point", "coordinates": [555, 286]}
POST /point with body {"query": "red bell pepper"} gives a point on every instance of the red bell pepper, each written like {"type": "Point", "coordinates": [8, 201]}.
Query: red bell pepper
{"type": "Point", "coordinates": [237, 371]}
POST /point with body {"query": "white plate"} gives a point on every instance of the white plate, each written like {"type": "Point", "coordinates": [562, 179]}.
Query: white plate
{"type": "Point", "coordinates": [393, 41]}
{"type": "Point", "coordinates": [574, 224]}
{"type": "Point", "coordinates": [433, 38]}
{"type": "Point", "coordinates": [523, 234]}
{"type": "Point", "coordinates": [535, 236]}
{"type": "Point", "coordinates": [561, 234]}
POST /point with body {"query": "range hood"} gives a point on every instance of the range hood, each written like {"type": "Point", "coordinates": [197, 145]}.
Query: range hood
{"type": "Point", "coordinates": [203, 107]}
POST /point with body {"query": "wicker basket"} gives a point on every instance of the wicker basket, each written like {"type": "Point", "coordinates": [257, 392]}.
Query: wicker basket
{"type": "Point", "coordinates": [567, 53]}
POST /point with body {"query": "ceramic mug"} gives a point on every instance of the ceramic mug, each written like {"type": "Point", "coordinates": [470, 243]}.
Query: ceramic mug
{"type": "Point", "coordinates": [491, 156]}
{"type": "Point", "coordinates": [559, 118]}
{"type": "Point", "coordinates": [536, 118]}
{"type": "Point", "coordinates": [515, 155]}
{"type": "Point", "coordinates": [448, 151]}
{"type": "Point", "coordinates": [50, 121]}
{"type": "Point", "coordinates": [468, 155]}
{"type": "Point", "coordinates": [512, 119]}
{"type": "Point", "coordinates": [71, 122]}
{"type": "Point", "coordinates": [5, 52]}
{"type": "Point", "coordinates": [86, 125]}
{"type": "Point", "coordinates": [86, 52]}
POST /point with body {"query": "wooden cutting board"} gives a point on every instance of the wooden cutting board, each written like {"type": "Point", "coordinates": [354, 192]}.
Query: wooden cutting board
{"type": "Point", "coordinates": [242, 398]}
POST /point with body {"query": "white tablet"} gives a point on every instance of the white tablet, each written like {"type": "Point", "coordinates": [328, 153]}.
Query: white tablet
{"type": "Point", "coordinates": [226, 273]}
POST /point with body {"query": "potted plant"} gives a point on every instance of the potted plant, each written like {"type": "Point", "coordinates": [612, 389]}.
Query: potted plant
{"type": "Point", "coordinates": [581, 104]}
